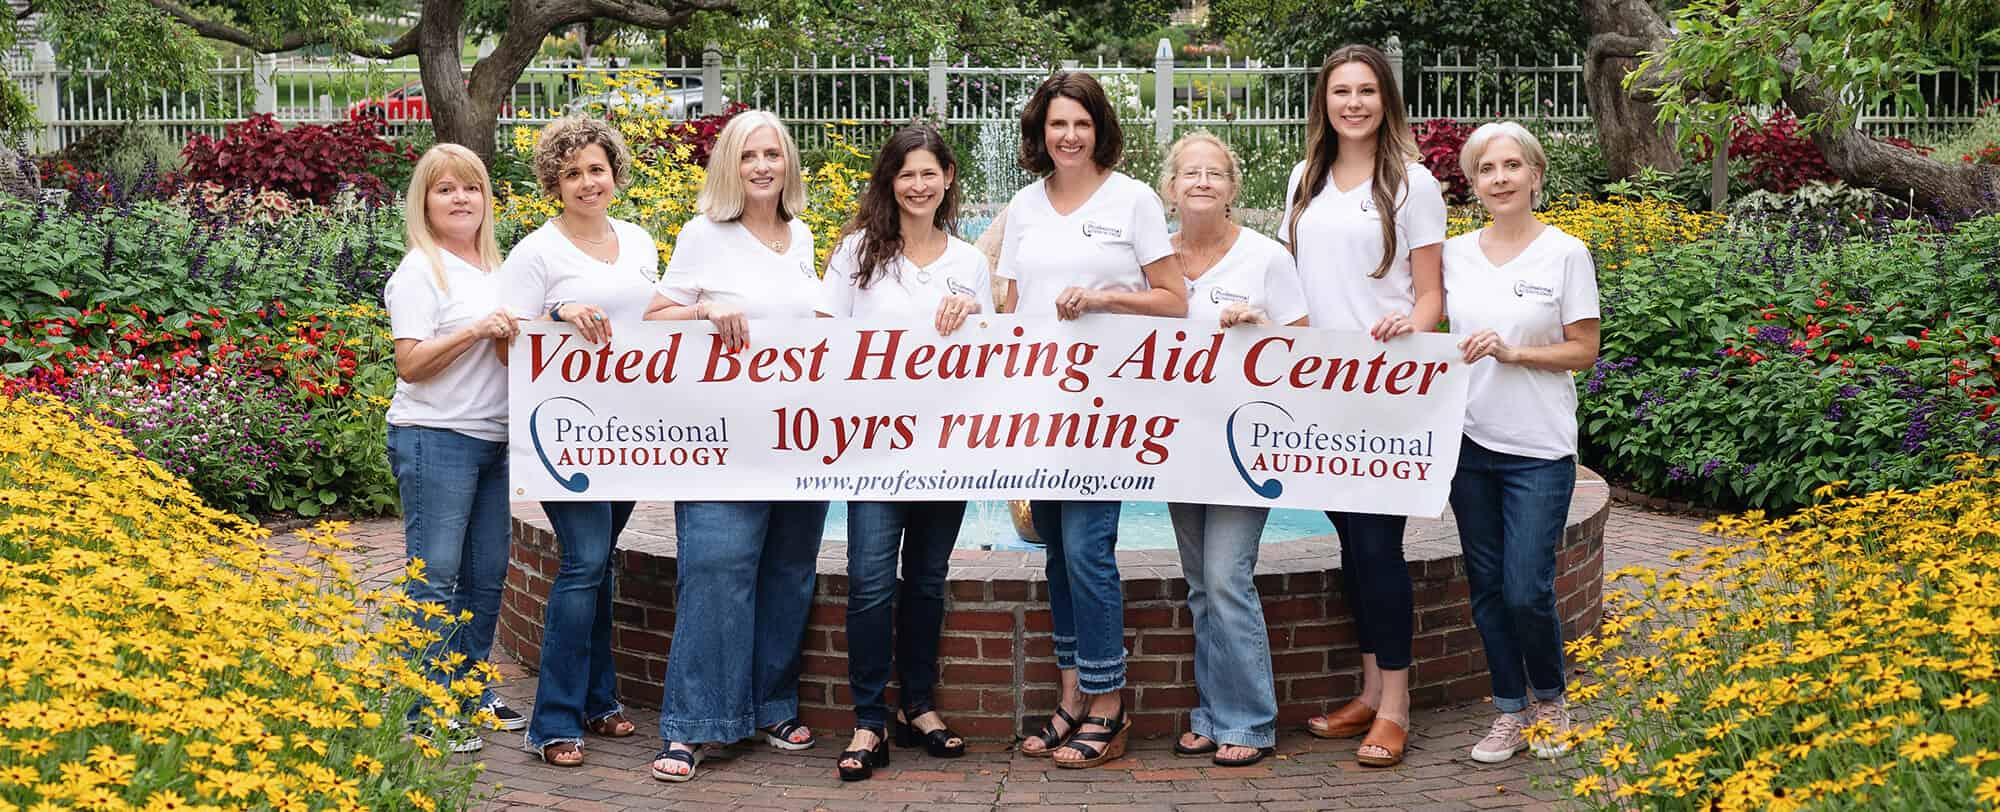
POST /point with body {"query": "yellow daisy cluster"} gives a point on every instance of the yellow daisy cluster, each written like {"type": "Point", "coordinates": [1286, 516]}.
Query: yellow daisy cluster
{"type": "Point", "coordinates": [1842, 657]}
{"type": "Point", "coordinates": [665, 180]}
{"type": "Point", "coordinates": [1617, 230]}
{"type": "Point", "coordinates": [160, 655]}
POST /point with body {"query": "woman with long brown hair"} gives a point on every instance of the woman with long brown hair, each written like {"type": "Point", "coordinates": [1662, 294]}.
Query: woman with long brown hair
{"type": "Point", "coordinates": [899, 262]}
{"type": "Point", "coordinates": [1365, 222]}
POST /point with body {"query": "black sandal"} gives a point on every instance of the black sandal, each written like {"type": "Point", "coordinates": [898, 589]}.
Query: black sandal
{"type": "Point", "coordinates": [691, 757]}
{"type": "Point", "coordinates": [936, 742]}
{"type": "Point", "coordinates": [1260, 755]}
{"type": "Point", "coordinates": [869, 759]}
{"type": "Point", "coordinates": [1048, 734]}
{"type": "Point", "coordinates": [780, 735]}
{"type": "Point", "coordinates": [1198, 750]}
{"type": "Point", "coordinates": [1111, 738]}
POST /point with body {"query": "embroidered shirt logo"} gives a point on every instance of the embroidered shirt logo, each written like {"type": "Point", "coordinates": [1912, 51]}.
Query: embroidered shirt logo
{"type": "Point", "coordinates": [1218, 296]}
{"type": "Point", "coordinates": [807, 269]}
{"type": "Point", "coordinates": [959, 288]}
{"type": "Point", "coordinates": [1096, 229]}
{"type": "Point", "coordinates": [1523, 287]}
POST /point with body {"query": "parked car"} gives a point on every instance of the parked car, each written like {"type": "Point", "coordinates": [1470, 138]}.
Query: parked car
{"type": "Point", "coordinates": [680, 98]}
{"type": "Point", "coordinates": [406, 103]}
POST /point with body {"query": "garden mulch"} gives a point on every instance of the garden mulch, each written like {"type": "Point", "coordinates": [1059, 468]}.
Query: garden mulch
{"type": "Point", "coordinates": [1307, 774]}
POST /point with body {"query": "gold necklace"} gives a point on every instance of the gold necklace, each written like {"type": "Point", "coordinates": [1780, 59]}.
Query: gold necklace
{"type": "Point", "coordinates": [570, 232]}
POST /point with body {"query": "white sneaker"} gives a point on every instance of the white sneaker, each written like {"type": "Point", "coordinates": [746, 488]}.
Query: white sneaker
{"type": "Point", "coordinates": [1556, 714]}
{"type": "Point", "coordinates": [457, 737]}
{"type": "Point", "coordinates": [1503, 740]}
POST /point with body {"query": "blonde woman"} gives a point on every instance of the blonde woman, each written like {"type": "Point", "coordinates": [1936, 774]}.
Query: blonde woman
{"type": "Point", "coordinates": [591, 270]}
{"type": "Point", "coordinates": [745, 568]}
{"type": "Point", "coordinates": [448, 419]}
{"type": "Point", "coordinates": [1235, 277]}
{"type": "Point", "coordinates": [1365, 221]}
{"type": "Point", "coordinates": [1524, 295]}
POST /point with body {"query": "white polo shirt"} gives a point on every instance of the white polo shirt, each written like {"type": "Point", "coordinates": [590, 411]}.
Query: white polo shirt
{"type": "Point", "coordinates": [470, 395]}
{"type": "Point", "coordinates": [1340, 244]}
{"type": "Point", "coordinates": [1256, 271]}
{"type": "Point", "coordinates": [1510, 408]}
{"type": "Point", "coordinates": [906, 291]}
{"type": "Point", "coordinates": [1104, 245]}
{"type": "Point", "coordinates": [724, 263]}
{"type": "Point", "coordinates": [545, 268]}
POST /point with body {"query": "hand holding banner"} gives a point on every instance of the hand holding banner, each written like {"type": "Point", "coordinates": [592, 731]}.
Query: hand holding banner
{"type": "Point", "coordinates": [1103, 408]}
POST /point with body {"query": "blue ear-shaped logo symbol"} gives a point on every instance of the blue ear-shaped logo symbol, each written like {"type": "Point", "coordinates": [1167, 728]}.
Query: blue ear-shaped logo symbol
{"type": "Point", "coordinates": [1269, 488]}
{"type": "Point", "coordinates": [574, 483]}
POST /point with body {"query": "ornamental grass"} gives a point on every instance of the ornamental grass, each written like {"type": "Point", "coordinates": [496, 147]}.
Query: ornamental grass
{"type": "Point", "coordinates": [159, 654]}
{"type": "Point", "coordinates": [1843, 657]}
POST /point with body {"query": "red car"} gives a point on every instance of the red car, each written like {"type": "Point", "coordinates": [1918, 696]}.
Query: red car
{"type": "Point", "coordinates": [405, 103]}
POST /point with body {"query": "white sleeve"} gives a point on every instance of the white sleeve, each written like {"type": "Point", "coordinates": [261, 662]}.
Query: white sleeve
{"type": "Point", "coordinates": [836, 287]}
{"type": "Point", "coordinates": [1579, 291]}
{"type": "Point", "coordinates": [523, 280]}
{"type": "Point", "coordinates": [681, 284]}
{"type": "Point", "coordinates": [1009, 221]}
{"type": "Point", "coordinates": [412, 299]}
{"type": "Point", "coordinates": [1283, 290]}
{"type": "Point", "coordinates": [1149, 226]}
{"type": "Point", "coordinates": [1285, 214]}
{"type": "Point", "coordinates": [1422, 215]}
{"type": "Point", "coordinates": [983, 287]}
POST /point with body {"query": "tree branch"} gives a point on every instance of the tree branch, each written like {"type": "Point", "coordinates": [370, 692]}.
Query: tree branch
{"type": "Point", "coordinates": [648, 15]}
{"type": "Point", "coordinates": [27, 10]}
{"type": "Point", "coordinates": [404, 45]}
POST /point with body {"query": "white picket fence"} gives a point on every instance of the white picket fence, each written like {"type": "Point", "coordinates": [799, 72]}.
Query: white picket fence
{"type": "Point", "coordinates": [1261, 96]}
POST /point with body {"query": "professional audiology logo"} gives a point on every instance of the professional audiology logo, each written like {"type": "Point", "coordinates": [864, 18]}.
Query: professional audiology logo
{"type": "Point", "coordinates": [1094, 229]}
{"type": "Point", "coordinates": [1268, 447]}
{"type": "Point", "coordinates": [574, 483]}
{"type": "Point", "coordinates": [959, 288]}
{"type": "Point", "coordinates": [1219, 295]}
{"type": "Point", "coordinates": [1524, 288]}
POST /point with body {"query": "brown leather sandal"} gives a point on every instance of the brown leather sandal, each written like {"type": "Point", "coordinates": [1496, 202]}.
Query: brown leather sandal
{"type": "Point", "coordinates": [615, 726]}
{"type": "Point", "coordinates": [1352, 719]}
{"type": "Point", "coordinates": [1388, 736]}
{"type": "Point", "coordinates": [562, 754]}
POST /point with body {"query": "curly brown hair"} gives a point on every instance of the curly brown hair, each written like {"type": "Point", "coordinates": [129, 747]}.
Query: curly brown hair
{"type": "Point", "coordinates": [560, 140]}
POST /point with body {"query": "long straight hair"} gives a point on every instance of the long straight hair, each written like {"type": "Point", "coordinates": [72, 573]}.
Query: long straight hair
{"type": "Point", "coordinates": [463, 164]}
{"type": "Point", "coordinates": [723, 189]}
{"type": "Point", "coordinates": [879, 219]}
{"type": "Point", "coordinates": [1395, 147]}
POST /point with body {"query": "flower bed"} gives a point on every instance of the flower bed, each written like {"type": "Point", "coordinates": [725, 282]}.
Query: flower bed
{"type": "Point", "coordinates": [161, 656]}
{"type": "Point", "coordinates": [1748, 369]}
{"type": "Point", "coordinates": [1845, 657]}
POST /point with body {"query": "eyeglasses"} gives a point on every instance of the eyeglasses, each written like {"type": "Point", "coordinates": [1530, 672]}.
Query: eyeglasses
{"type": "Point", "coordinates": [1197, 175]}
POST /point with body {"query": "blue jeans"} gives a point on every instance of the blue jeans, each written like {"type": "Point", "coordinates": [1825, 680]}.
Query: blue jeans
{"type": "Point", "coordinates": [1086, 599]}
{"type": "Point", "coordinates": [1511, 511]}
{"type": "Point", "coordinates": [455, 518]}
{"type": "Point", "coordinates": [924, 533]}
{"type": "Point", "coordinates": [1376, 582]}
{"type": "Point", "coordinates": [1232, 656]}
{"type": "Point", "coordinates": [579, 682]}
{"type": "Point", "coordinates": [743, 590]}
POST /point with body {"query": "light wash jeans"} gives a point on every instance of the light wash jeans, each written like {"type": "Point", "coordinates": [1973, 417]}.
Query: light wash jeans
{"type": "Point", "coordinates": [743, 588]}
{"type": "Point", "coordinates": [455, 518]}
{"type": "Point", "coordinates": [1232, 656]}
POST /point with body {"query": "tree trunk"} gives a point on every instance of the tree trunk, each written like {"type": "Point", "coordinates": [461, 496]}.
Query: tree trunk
{"type": "Point", "coordinates": [1860, 160]}
{"type": "Point", "coordinates": [1628, 134]}
{"type": "Point", "coordinates": [466, 109]}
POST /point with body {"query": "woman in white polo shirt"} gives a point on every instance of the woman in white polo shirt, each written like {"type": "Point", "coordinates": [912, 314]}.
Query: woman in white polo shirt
{"type": "Point", "coordinates": [1084, 239]}
{"type": "Point", "coordinates": [745, 580]}
{"type": "Point", "coordinates": [448, 420]}
{"type": "Point", "coordinates": [1365, 221]}
{"type": "Point", "coordinates": [900, 265]}
{"type": "Point", "coordinates": [1524, 295]}
{"type": "Point", "coordinates": [591, 270]}
{"type": "Point", "coordinates": [1235, 277]}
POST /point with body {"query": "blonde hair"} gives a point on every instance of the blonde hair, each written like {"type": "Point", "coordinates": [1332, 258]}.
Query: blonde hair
{"type": "Point", "coordinates": [1171, 165]}
{"type": "Point", "coordinates": [722, 191]}
{"type": "Point", "coordinates": [560, 140]}
{"type": "Point", "coordinates": [457, 162]}
{"type": "Point", "coordinates": [1531, 149]}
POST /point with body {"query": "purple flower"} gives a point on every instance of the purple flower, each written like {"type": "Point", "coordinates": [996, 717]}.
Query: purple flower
{"type": "Point", "coordinates": [1677, 473]}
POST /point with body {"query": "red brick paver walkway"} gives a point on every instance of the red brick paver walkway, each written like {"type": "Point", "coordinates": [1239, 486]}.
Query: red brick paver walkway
{"type": "Point", "coordinates": [1307, 774]}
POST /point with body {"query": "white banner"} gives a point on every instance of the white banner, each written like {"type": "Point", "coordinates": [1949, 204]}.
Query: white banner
{"type": "Point", "coordinates": [1103, 408]}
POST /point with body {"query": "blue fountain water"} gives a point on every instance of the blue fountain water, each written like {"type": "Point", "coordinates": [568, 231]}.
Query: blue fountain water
{"type": "Point", "coordinates": [1141, 526]}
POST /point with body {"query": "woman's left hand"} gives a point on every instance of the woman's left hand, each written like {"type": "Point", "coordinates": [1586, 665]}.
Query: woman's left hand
{"type": "Point", "coordinates": [1391, 326]}
{"type": "Point", "coordinates": [1486, 343]}
{"type": "Point", "coordinates": [1074, 302]}
{"type": "Point", "coordinates": [1238, 313]}
{"type": "Point", "coordinates": [952, 311]}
